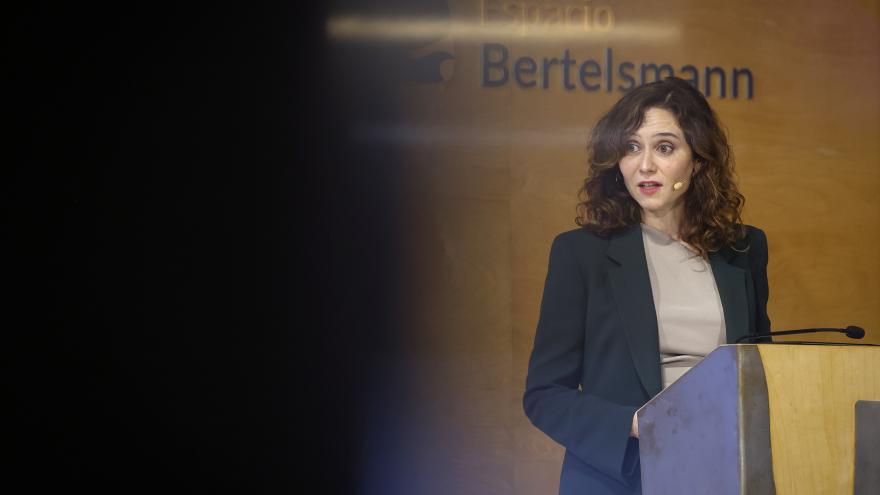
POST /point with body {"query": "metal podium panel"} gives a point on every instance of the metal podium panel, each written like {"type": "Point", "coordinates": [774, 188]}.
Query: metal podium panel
{"type": "Point", "coordinates": [867, 468]}
{"type": "Point", "coordinates": [691, 435]}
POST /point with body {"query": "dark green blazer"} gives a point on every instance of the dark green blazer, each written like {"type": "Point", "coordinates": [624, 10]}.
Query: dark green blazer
{"type": "Point", "coordinates": [596, 356]}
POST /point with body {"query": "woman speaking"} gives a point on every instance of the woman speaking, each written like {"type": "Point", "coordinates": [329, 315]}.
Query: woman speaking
{"type": "Point", "coordinates": [660, 272]}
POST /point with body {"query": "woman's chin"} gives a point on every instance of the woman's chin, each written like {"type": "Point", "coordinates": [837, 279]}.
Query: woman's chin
{"type": "Point", "coordinates": [656, 209]}
{"type": "Point", "coordinates": [651, 205]}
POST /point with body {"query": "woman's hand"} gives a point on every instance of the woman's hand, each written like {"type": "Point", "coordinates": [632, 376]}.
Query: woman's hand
{"type": "Point", "coordinates": [634, 430]}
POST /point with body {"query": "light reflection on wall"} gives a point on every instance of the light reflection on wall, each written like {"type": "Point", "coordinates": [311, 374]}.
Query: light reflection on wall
{"type": "Point", "coordinates": [349, 28]}
{"type": "Point", "coordinates": [406, 134]}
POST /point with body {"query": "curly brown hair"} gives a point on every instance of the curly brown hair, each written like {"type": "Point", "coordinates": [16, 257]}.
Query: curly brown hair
{"type": "Point", "coordinates": [712, 204]}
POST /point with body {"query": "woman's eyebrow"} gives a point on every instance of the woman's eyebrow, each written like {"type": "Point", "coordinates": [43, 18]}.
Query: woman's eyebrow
{"type": "Point", "coordinates": [670, 134]}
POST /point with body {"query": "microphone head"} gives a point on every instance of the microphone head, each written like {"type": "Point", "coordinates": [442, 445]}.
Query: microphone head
{"type": "Point", "coordinates": [854, 332]}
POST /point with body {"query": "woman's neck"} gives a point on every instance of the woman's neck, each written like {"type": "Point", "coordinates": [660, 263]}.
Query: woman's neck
{"type": "Point", "coordinates": [668, 221]}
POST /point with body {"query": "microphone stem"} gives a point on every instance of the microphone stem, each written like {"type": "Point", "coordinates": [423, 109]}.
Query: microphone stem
{"type": "Point", "coordinates": [812, 330]}
{"type": "Point", "coordinates": [788, 332]}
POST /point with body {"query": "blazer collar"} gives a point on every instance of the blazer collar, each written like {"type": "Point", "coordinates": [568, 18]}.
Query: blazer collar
{"type": "Point", "coordinates": [631, 287]}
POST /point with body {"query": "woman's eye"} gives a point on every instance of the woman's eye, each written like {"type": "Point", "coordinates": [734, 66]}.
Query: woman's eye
{"type": "Point", "coordinates": [665, 148]}
{"type": "Point", "coordinates": [632, 147]}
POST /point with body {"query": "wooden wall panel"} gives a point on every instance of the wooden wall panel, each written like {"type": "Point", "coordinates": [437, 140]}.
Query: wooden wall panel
{"type": "Point", "coordinates": [493, 175]}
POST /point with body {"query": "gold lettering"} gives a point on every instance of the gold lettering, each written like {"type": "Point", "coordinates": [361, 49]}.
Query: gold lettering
{"type": "Point", "coordinates": [570, 13]}
{"type": "Point", "coordinates": [553, 17]}
{"type": "Point", "coordinates": [527, 15]}
{"type": "Point", "coordinates": [604, 22]}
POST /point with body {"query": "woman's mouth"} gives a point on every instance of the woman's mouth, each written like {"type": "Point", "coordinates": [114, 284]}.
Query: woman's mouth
{"type": "Point", "coordinates": [649, 187]}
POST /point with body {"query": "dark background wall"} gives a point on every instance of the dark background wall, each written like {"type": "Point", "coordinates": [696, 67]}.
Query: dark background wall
{"type": "Point", "coordinates": [201, 264]}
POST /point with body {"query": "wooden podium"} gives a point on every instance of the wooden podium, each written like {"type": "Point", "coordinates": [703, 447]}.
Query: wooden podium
{"type": "Point", "coordinates": [767, 419]}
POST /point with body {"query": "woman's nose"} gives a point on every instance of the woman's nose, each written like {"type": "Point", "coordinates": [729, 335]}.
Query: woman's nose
{"type": "Point", "coordinates": [646, 165]}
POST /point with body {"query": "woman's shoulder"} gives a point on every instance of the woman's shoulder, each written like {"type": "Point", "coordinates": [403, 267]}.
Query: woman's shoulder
{"type": "Point", "coordinates": [580, 236]}
{"type": "Point", "coordinates": [577, 248]}
{"type": "Point", "coordinates": [753, 242]}
{"type": "Point", "coordinates": [755, 234]}
{"type": "Point", "coordinates": [581, 243]}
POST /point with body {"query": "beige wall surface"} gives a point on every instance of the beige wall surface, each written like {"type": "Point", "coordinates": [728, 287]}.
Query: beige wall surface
{"type": "Point", "coordinates": [493, 172]}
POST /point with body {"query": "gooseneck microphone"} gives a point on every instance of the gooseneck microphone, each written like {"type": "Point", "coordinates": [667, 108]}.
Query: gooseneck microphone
{"type": "Point", "coordinates": [852, 332]}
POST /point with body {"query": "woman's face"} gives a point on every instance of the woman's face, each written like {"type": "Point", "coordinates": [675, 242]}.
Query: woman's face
{"type": "Point", "coordinates": [657, 156]}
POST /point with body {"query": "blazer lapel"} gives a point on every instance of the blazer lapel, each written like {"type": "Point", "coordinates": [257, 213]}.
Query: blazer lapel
{"type": "Point", "coordinates": [732, 288]}
{"type": "Point", "coordinates": [634, 299]}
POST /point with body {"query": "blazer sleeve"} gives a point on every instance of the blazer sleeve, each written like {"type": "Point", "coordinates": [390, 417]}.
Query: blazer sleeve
{"type": "Point", "coordinates": [593, 429]}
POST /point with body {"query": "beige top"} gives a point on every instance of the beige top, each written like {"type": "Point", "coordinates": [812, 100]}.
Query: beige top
{"type": "Point", "coordinates": [690, 317]}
